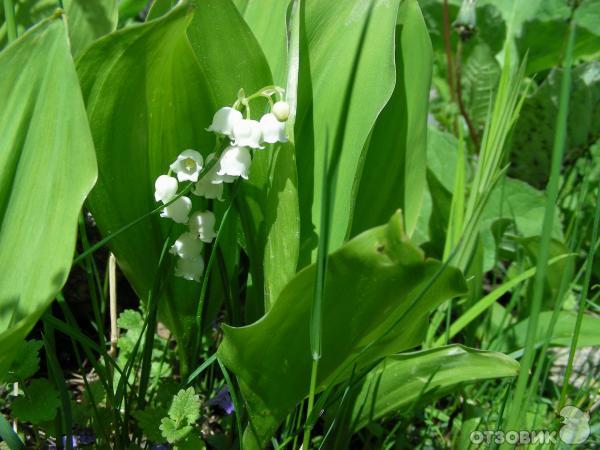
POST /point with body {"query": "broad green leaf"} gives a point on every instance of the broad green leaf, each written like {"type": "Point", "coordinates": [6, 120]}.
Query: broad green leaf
{"type": "Point", "coordinates": [159, 8]}
{"type": "Point", "coordinates": [89, 20]}
{"type": "Point", "coordinates": [46, 165]}
{"type": "Point", "coordinates": [140, 122]}
{"type": "Point", "coordinates": [511, 200]}
{"type": "Point", "coordinates": [26, 365]}
{"type": "Point", "coordinates": [27, 14]}
{"type": "Point", "coordinates": [269, 200]}
{"type": "Point", "coordinates": [39, 404]}
{"type": "Point", "coordinates": [393, 175]}
{"type": "Point", "coordinates": [333, 30]}
{"type": "Point", "coordinates": [329, 40]}
{"type": "Point", "coordinates": [534, 131]}
{"type": "Point", "coordinates": [172, 432]}
{"type": "Point", "coordinates": [267, 19]}
{"type": "Point", "coordinates": [185, 406]}
{"type": "Point", "coordinates": [400, 380]}
{"type": "Point", "coordinates": [376, 281]}
{"type": "Point", "coordinates": [149, 421]}
{"type": "Point", "coordinates": [514, 338]}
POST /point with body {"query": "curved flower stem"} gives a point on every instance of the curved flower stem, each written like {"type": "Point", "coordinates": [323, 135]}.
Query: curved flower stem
{"type": "Point", "coordinates": [124, 228]}
{"type": "Point", "coordinates": [211, 260]}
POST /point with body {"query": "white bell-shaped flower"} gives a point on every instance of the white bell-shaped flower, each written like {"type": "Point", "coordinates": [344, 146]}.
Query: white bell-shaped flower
{"type": "Point", "coordinates": [224, 120]}
{"type": "Point", "coordinates": [178, 210]}
{"type": "Point", "coordinates": [213, 177]}
{"type": "Point", "coordinates": [187, 246]}
{"type": "Point", "coordinates": [272, 129]}
{"type": "Point", "coordinates": [188, 165]}
{"type": "Point", "coordinates": [202, 225]}
{"type": "Point", "coordinates": [165, 188]}
{"type": "Point", "coordinates": [190, 269]}
{"type": "Point", "coordinates": [207, 188]}
{"type": "Point", "coordinates": [281, 110]}
{"type": "Point", "coordinates": [235, 162]}
{"type": "Point", "coordinates": [247, 133]}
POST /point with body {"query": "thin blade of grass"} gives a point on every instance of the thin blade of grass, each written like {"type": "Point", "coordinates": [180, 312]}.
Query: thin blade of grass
{"type": "Point", "coordinates": [582, 300]}
{"type": "Point", "coordinates": [9, 436]}
{"type": "Point", "coordinates": [516, 410]}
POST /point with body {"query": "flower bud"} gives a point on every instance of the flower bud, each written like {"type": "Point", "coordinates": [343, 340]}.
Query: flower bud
{"type": "Point", "coordinates": [281, 110]}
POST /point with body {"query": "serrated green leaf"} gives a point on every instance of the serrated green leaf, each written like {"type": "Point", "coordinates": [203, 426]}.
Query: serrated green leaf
{"type": "Point", "coordinates": [149, 420]}
{"type": "Point", "coordinates": [39, 404]}
{"type": "Point", "coordinates": [26, 365]}
{"type": "Point", "coordinates": [130, 319]}
{"type": "Point", "coordinates": [185, 406]}
{"type": "Point", "coordinates": [191, 442]}
{"type": "Point", "coordinates": [172, 432]}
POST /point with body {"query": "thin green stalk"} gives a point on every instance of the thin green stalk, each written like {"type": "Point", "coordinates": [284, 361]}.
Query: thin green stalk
{"type": "Point", "coordinates": [156, 210]}
{"type": "Point", "coordinates": [234, 398]}
{"type": "Point", "coordinates": [311, 402]}
{"type": "Point", "coordinates": [153, 295]}
{"type": "Point", "coordinates": [516, 408]}
{"type": "Point", "coordinates": [55, 372]}
{"type": "Point", "coordinates": [582, 299]}
{"type": "Point", "coordinates": [11, 22]}
{"type": "Point", "coordinates": [9, 436]}
{"type": "Point", "coordinates": [196, 342]}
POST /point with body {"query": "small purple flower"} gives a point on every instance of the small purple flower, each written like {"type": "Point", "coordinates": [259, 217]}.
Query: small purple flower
{"type": "Point", "coordinates": [223, 400]}
{"type": "Point", "coordinates": [86, 437]}
{"type": "Point", "coordinates": [63, 440]}
{"type": "Point", "coordinates": [160, 447]}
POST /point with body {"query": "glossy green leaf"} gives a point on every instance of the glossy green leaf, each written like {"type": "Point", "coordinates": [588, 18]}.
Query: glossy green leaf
{"type": "Point", "coordinates": [89, 20]}
{"type": "Point", "coordinates": [47, 168]}
{"type": "Point", "coordinates": [376, 281]}
{"type": "Point", "coordinates": [397, 149]}
{"type": "Point", "coordinates": [140, 123]}
{"type": "Point", "coordinates": [401, 380]}
{"type": "Point", "coordinates": [267, 19]}
{"type": "Point", "coordinates": [330, 34]}
{"type": "Point", "coordinates": [511, 200]}
{"type": "Point", "coordinates": [176, 79]}
{"type": "Point", "coordinates": [269, 200]}
{"type": "Point", "coordinates": [530, 159]}
{"type": "Point", "coordinates": [27, 14]}
{"type": "Point", "coordinates": [333, 31]}
{"type": "Point", "coordinates": [514, 338]}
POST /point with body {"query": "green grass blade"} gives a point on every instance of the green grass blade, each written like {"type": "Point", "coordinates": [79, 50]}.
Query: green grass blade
{"type": "Point", "coordinates": [582, 302]}
{"type": "Point", "coordinates": [11, 24]}
{"type": "Point", "coordinates": [515, 415]}
{"type": "Point", "coordinates": [9, 436]}
{"type": "Point", "coordinates": [205, 365]}
{"type": "Point", "coordinates": [482, 305]}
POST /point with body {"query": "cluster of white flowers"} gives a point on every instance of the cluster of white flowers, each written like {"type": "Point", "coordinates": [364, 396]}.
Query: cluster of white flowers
{"type": "Point", "coordinates": [233, 163]}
